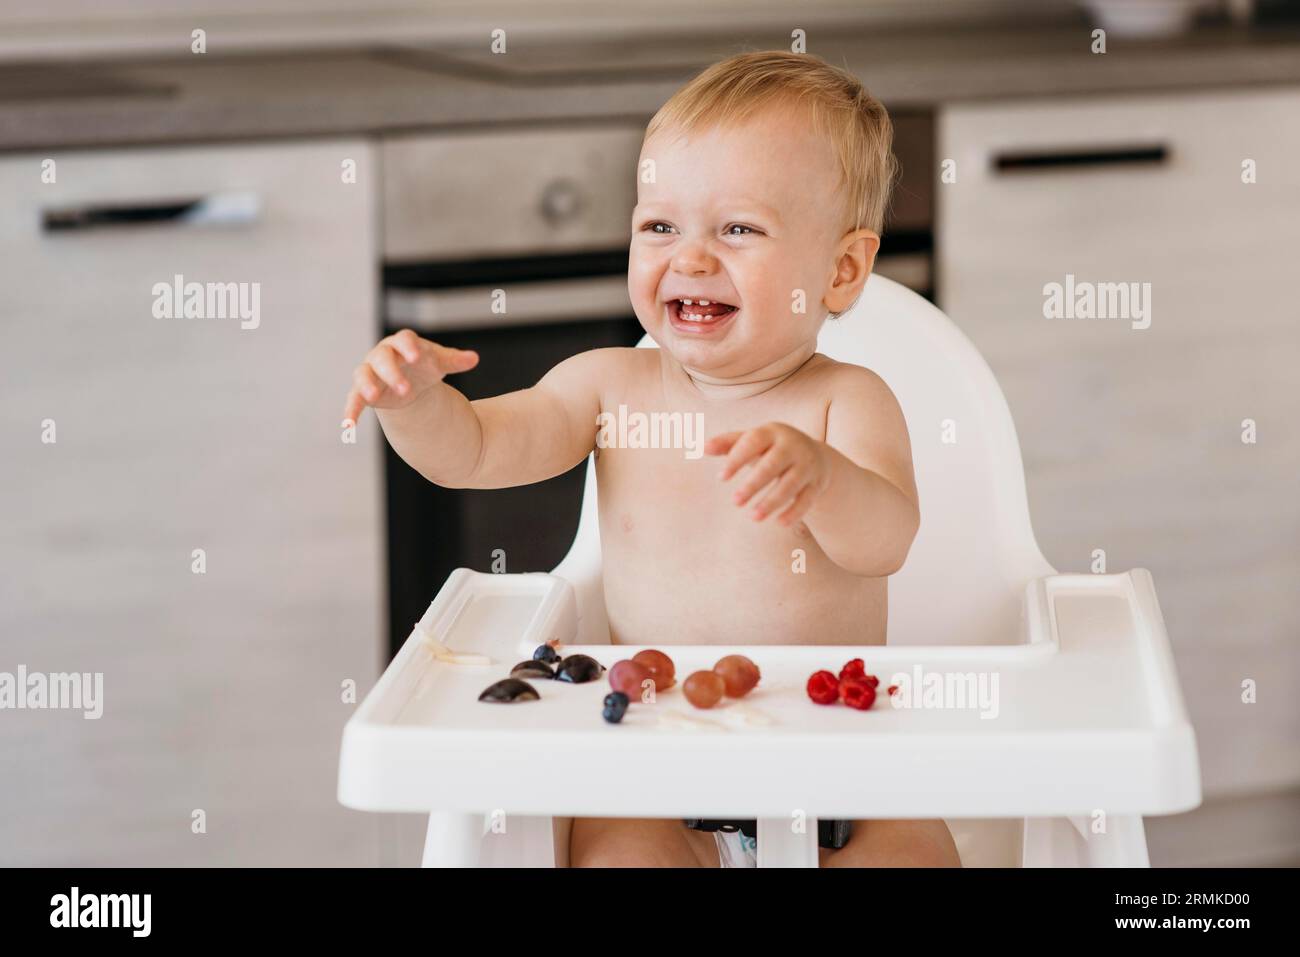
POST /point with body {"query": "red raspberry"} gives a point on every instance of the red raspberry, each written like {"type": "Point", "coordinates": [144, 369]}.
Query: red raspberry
{"type": "Point", "coordinates": [823, 687]}
{"type": "Point", "coordinates": [854, 669]}
{"type": "Point", "coordinates": [858, 693]}
{"type": "Point", "coordinates": [872, 680]}
{"type": "Point", "coordinates": [893, 690]}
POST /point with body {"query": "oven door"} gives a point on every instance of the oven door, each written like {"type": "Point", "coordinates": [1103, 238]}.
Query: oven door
{"type": "Point", "coordinates": [433, 530]}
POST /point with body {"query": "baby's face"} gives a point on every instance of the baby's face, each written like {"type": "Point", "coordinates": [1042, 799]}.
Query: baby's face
{"type": "Point", "coordinates": [746, 216]}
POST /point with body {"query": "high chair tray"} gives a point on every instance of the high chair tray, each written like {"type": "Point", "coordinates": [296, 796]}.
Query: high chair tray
{"type": "Point", "coordinates": [1086, 717]}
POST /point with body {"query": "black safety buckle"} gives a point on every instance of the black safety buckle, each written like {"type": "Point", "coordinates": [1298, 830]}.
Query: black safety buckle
{"type": "Point", "coordinates": [747, 828]}
{"type": "Point", "coordinates": [831, 834]}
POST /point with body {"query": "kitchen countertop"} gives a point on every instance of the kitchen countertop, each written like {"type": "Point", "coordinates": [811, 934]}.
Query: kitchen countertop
{"type": "Point", "coordinates": [393, 89]}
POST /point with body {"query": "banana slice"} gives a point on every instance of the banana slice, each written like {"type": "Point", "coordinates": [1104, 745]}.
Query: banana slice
{"type": "Point", "coordinates": [444, 654]}
{"type": "Point", "coordinates": [746, 716]}
{"type": "Point", "coordinates": [677, 721]}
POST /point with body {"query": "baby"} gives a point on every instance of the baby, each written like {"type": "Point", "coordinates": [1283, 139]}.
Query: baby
{"type": "Point", "coordinates": [762, 189]}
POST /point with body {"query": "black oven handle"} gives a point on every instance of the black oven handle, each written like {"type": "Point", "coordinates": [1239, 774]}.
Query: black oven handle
{"type": "Point", "coordinates": [509, 304]}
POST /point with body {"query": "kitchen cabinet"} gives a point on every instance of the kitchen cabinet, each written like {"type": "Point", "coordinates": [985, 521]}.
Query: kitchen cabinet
{"type": "Point", "coordinates": [1133, 437]}
{"type": "Point", "coordinates": [223, 691]}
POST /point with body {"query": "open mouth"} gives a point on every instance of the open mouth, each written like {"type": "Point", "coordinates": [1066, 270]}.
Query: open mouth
{"type": "Point", "coordinates": [699, 314]}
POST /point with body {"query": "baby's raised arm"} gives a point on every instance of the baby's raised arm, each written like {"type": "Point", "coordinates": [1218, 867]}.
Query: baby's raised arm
{"type": "Point", "coordinates": [512, 439]}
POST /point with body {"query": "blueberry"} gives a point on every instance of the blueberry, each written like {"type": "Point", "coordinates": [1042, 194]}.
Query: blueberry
{"type": "Point", "coordinates": [615, 707]}
{"type": "Point", "coordinates": [545, 653]}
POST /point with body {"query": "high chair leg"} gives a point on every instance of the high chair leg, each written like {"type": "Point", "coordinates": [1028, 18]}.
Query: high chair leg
{"type": "Point", "coordinates": [453, 840]}
{"type": "Point", "coordinates": [1064, 842]}
{"type": "Point", "coordinates": [779, 845]}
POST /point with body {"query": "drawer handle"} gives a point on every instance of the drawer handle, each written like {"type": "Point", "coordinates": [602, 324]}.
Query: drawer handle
{"type": "Point", "coordinates": [1047, 160]}
{"type": "Point", "coordinates": [217, 209]}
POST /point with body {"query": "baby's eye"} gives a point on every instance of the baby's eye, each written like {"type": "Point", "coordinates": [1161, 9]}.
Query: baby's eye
{"type": "Point", "coordinates": [661, 229]}
{"type": "Point", "coordinates": [734, 226]}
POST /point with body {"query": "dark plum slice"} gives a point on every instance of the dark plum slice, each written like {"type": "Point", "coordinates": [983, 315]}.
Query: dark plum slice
{"type": "Point", "coordinates": [532, 669]}
{"type": "Point", "coordinates": [579, 669]}
{"type": "Point", "coordinates": [508, 691]}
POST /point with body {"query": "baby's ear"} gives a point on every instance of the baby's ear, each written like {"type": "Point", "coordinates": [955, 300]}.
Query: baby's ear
{"type": "Point", "coordinates": [855, 257]}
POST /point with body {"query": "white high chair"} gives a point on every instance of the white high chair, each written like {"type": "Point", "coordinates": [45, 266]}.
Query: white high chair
{"type": "Point", "coordinates": [1089, 733]}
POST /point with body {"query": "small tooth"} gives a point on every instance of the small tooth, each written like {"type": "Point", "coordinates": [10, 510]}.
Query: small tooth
{"type": "Point", "coordinates": [704, 302]}
{"type": "Point", "coordinates": [688, 302]}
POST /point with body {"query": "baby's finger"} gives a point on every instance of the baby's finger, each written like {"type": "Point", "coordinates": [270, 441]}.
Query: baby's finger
{"type": "Point", "coordinates": [748, 447]}
{"type": "Point", "coordinates": [768, 468]}
{"type": "Point", "coordinates": [450, 360]}
{"type": "Point", "coordinates": [721, 444]}
{"type": "Point", "coordinates": [780, 495]}
{"type": "Point", "coordinates": [367, 384]}
{"type": "Point", "coordinates": [384, 361]}
{"type": "Point", "coordinates": [407, 345]}
{"type": "Point", "coordinates": [798, 508]}
{"type": "Point", "coordinates": [353, 407]}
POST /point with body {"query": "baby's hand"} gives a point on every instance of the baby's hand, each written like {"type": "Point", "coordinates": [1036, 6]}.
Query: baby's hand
{"type": "Point", "coordinates": [400, 369]}
{"type": "Point", "coordinates": [778, 452]}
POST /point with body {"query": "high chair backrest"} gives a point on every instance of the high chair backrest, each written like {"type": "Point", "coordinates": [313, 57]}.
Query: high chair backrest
{"type": "Point", "coordinates": [964, 579]}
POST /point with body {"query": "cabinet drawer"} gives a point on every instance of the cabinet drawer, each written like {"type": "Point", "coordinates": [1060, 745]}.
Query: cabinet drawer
{"type": "Point", "coordinates": [222, 691]}
{"type": "Point", "coordinates": [1125, 190]}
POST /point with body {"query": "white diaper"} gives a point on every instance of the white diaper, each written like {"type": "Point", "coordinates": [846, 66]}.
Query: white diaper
{"type": "Point", "coordinates": [736, 850]}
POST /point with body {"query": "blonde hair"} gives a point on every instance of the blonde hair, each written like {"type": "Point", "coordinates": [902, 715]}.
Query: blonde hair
{"type": "Point", "coordinates": [854, 121]}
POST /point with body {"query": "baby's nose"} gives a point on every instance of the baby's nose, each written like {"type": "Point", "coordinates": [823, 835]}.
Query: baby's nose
{"type": "Point", "coordinates": [694, 260]}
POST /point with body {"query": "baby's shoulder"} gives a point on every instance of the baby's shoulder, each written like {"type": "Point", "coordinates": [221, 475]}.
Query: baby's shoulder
{"type": "Point", "coordinates": [615, 365]}
{"type": "Point", "coordinates": [600, 366]}
{"type": "Point", "coordinates": [847, 382]}
{"type": "Point", "coordinates": [859, 404]}
{"type": "Point", "coordinates": [618, 358]}
{"type": "Point", "coordinates": [605, 373]}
